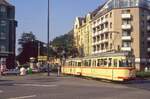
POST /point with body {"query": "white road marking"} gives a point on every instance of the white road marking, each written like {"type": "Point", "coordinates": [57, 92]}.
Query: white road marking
{"type": "Point", "coordinates": [35, 85]}
{"type": "Point", "coordinates": [1, 91]}
{"type": "Point", "coordinates": [23, 97]}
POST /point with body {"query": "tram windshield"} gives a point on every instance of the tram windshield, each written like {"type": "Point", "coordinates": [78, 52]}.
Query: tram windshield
{"type": "Point", "coordinates": [125, 63]}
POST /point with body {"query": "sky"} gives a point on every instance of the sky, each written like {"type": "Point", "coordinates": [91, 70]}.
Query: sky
{"type": "Point", "coordinates": [32, 15]}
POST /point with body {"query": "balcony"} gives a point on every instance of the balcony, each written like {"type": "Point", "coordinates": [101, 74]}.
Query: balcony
{"type": "Point", "coordinates": [105, 30]}
{"type": "Point", "coordinates": [126, 26]}
{"type": "Point", "coordinates": [126, 16]}
{"type": "Point", "coordinates": [104, 21]}
{"type": "Point", "coordinates": [126, 48]}
{"type": "Point", "coordinates": [148, 49]}
{"type": "Point", "coordinates": [127, 38]}
{"type": "Point", "coordinates": [148, 28]}
{"type": "Point", "coordinates": [148, 18]}
{"type": "Point", "coordinates": [148, 38]}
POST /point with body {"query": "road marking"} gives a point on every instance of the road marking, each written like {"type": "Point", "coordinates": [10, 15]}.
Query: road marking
{"type": "Point", "coordinates": [35, 85]}
{"type": "Point", "coordinates": [1, 91]}
{"type": "Point", "coordinates": [23, 97]}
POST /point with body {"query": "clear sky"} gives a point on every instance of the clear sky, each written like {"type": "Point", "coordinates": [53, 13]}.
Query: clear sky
{"type": "Point", "coordinates": [32, 15]}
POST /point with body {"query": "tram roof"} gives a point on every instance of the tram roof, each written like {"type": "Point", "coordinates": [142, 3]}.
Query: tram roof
{"type": "Point", "coordinates": [107, 54]}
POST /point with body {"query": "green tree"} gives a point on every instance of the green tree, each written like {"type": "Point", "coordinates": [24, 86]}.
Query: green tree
{"type": "Point", "coordinates": [64, 45]}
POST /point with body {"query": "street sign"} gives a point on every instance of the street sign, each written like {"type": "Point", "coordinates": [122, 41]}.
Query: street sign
{"type": "Point", "coordinates": [42, 58]}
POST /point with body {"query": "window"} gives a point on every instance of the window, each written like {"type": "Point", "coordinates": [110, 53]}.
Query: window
{"type": "Point", "coordinates": [125, 11]}
{"type": "Point", "coordinates": [3, 23]}
{"type": "Point", "coordinates": [94, 30]}
{"type": "Point", "coordinates": [106, 45]}
{"type": "Point", "coordinates": [106, 36]}
{"type": "Point", "coordinates": [110, 62]}
{"type": "Point", "coordinates": [106, 25]}
{"type": "Point", "coordinates": [79, 63]}
{"type": "Point", "coordinates": [94, 48]}
{"type": "Point", "coordinates": [126, 44]}
{"type": "Point", "coordinates": [110, 14]}
{"type": "Point", "coordinates": [115, 62]}
{"type": "Point", "coordinates": [110, 24]}
{"type": "Point", "coordinates": [98, 38]}
{"type": "Point", "coordinates": [2, 35]}
{"type": "Point", "coordinates": [2, 48]}
{"type": "Point", "coordinates": [111, 46]}
{"type": "Point", "coordinates": [125, 22]}
{"type": "Point", "coordinates": [2, 9]}
{"type": "Point", "coordinates": [126, 33]}
{"type": "Point", "coordinates": [110, 35]}
{"type": "Point", "coordinates": [98, 47]}
{"type": "Point", "coordinates": [106, 16]}
{"type": "Point", "coordinates": [94, 39]}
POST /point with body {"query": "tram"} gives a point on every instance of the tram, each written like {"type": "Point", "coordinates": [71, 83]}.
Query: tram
{"type": "Point", "coordinates": [111, 66]}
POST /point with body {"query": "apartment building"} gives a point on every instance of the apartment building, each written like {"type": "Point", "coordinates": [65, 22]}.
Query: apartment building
{"type": "Point", "coordinates": [7, 34]}
{"type": "Point", "coordinates": [117, 26]}
{"type": "Point", "coordinates": [83, 35]}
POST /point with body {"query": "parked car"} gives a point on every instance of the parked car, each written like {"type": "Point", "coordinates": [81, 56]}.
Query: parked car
{"type": "Point", "coordinates": [44, 68]}
{"type": "Point", "coordinates": [11, 72]}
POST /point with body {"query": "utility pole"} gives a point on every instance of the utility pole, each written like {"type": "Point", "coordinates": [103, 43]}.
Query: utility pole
{"type": "Point", "coordinates": [48, 67]}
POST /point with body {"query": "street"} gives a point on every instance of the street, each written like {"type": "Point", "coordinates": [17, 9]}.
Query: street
{"type": "Point", "coordinates": [40, 86]}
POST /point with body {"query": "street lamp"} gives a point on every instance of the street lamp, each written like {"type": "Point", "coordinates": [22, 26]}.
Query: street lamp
{"type": "Point", "coordinates": [48, 72]}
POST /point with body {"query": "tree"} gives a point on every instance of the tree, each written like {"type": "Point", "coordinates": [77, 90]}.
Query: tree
{"type": "Point", "coordinates": [64, 45]}
{"type": "Point", "coordinates": [25, 37]}
{"type": "Point", "coordinates": [29, 47]}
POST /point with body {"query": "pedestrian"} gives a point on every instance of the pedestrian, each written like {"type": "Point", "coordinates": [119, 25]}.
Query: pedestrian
{"type": "Point", "coordinates": [2, 68]}
{"type": "Point", "coordinates": [22, 71]}
{"type": "Point", "coordinates": [58, 69]}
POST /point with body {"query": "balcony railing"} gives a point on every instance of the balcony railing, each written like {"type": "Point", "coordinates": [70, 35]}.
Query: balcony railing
{"type": "Point", "coordinates": [148, 18]}
{"type": "Point", "coordinates": [126, 16]}
{"type": "Point", "coordinates": [126, 48]}
{"type": "Point", "coordinates": [126, 38]}
{"type": "Point", "coordinates": [148, 28]}
{"type": "Point", "coordinates": [126, 26]}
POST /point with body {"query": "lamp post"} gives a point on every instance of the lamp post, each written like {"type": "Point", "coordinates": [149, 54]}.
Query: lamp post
{"type": "Point", "coordinates": [48, 67]}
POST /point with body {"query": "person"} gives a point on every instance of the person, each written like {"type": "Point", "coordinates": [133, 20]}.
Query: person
{"type": "Point", "coordinates": [2, 68]}
{"type": "Point", "coordinates": [58, 69]}
{"type": "Point", "coordinates": [22, 71]}
{"type": "Point", "coordinates": [29, 70]}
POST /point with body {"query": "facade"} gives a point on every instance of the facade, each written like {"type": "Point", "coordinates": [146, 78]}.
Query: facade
{"type": "Point", "coordinates": [7, 34]}
{"type": "Point", "coordinates": [83, 35]}
{"type": "Point", "coordinates": [122, 25]}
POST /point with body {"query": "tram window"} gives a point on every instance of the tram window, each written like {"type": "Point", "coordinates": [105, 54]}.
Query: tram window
{"type": "Point", "coordinates": [102, 62]}
{"type": "Point", "coordinates": [123, 63]}
{"type": "Point", "coordinates": [89, 62]}
{"type": "Point", "coordinates": [93, 63]}
{"type": "Point", "coordinates": [110, 61]}
{"type": "Point", "coordinates": [79, 63]}
{"type": "Point", "coordinates": [115, 62]}
{"type": "Point", "coordinates": [105, 62]}
{"type": "Point", "coordinates": [98, 62]}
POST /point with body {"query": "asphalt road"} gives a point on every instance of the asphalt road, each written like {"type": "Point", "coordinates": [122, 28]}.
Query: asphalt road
{"type": "Point", "coordinates": [66, 87]}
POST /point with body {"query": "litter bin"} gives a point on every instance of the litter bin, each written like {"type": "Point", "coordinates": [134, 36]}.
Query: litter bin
{"type": "Point", "coordinates": [29, 71]}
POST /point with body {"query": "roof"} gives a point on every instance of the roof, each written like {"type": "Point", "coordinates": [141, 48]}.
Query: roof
{"type": "Point", "coordinates": [4, 2]}
{"type": "Point", "coordinates": [81, 19]}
